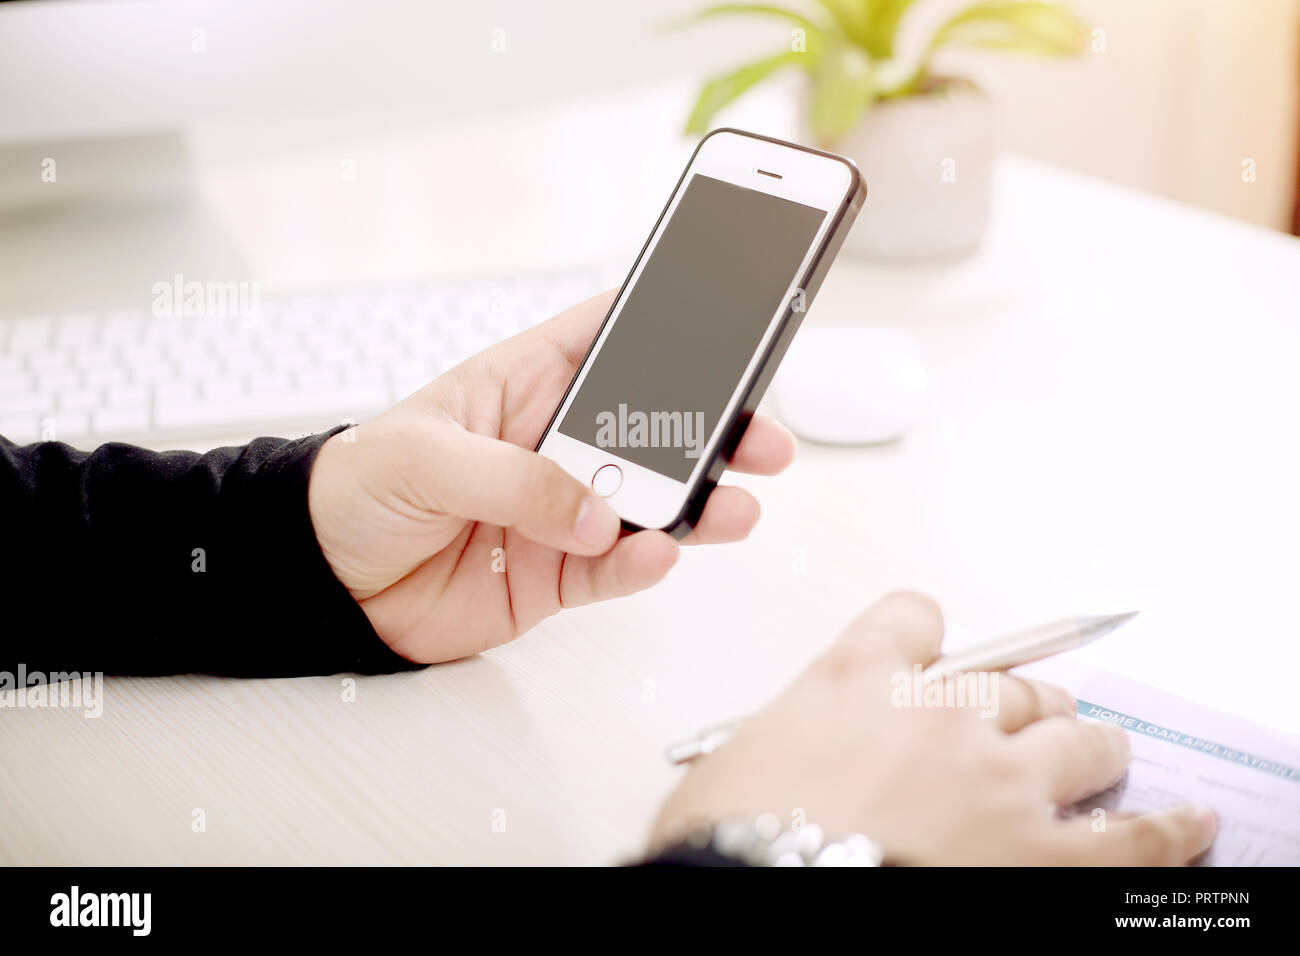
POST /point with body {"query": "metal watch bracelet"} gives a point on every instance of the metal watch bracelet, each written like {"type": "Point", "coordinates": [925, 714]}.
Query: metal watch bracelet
{"type": "Point", "coordinates": [763, 842]}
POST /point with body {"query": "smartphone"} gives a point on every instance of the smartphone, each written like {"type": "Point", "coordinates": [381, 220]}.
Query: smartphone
{"type": "Point", "coordinates": [699, 326]}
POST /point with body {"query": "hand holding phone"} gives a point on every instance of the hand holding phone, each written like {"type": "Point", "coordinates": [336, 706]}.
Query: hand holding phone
{"type": "Point", "coordinates": [701, 324]}
{"type": "Point", "coordinates": [453, 538]}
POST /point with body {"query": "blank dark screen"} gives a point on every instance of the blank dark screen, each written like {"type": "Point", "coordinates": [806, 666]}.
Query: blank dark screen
{"type": "Point", "coordinates": [696, 315]}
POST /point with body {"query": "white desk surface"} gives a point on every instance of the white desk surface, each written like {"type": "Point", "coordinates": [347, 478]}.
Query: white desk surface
{"type": "Point", "coordinates": [1111, 423]}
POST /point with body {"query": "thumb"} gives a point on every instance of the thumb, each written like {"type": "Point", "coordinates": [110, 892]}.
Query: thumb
{"type": "Point", "coordinates": [485, 479]}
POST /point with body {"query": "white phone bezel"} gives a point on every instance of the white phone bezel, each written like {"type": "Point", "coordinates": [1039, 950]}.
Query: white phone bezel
{"type": "Point", "coordinates": [645, 497]}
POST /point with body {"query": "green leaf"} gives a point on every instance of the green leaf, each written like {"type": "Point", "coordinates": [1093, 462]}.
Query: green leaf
{"type": "Point", "coordinates": [761, 9]}
{"type": "Point", "coordinates": [721, 90]}
{"type": "Point", "coordinates": [842, 88]}
{"type": "Point", "coordinates": [882, 27]}
{"type": "Point", "coordinates": [1038, 27]}
{"type": "Point", "coordinates": [853, 17]}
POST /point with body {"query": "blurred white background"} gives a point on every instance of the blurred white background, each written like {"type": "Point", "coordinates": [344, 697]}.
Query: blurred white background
{"type": "Point", "coordinates": [1111, 401]}
{"type": "Point", "coordinates": [1183, 91]}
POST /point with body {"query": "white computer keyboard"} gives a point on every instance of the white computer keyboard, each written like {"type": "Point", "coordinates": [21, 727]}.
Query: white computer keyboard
{"type": "Point", "coordinates": [304, 362]}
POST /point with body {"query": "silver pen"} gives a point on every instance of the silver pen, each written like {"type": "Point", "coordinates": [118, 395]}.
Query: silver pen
{"type": "Point", "coordinates": [1001, 653]}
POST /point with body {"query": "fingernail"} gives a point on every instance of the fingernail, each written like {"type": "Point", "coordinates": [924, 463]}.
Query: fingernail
{"type": "Point", "coordinates": [597, 525]}
{"type": "Point", "coordinates": [1068, 703]}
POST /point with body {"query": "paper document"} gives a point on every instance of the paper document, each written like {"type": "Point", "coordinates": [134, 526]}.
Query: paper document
{"type": "Point", "coordinates": [1185, 752]}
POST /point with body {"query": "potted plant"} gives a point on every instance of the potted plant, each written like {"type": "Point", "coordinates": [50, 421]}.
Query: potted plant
{"type": "Point", "coordinates": [923, 140]}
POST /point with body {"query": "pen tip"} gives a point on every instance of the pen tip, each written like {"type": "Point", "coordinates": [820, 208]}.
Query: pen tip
{"type": "Point", "coordinates": [1099, 624]}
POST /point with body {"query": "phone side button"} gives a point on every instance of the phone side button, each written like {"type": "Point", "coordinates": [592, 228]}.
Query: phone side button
{"type": "Point", "coordinates": [607, 480]}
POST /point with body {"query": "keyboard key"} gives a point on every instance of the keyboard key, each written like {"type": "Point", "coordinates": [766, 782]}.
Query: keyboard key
{"type": "Point", "coordinates": [26, 403]}
{"type": "Point", "coordinates": [20, 429]}
{"type": "Point", "coordinates": [51, 361]}
{"type": "Point", "coordinates": [64, 426]}
{"type": "Point", "coordinates": [223, 389]}
{"type": "Point", "coordinates": [107, 375]}
{"type": "Point", "coordinates": [55, 379]}
{"type": "Point", "coordinates": [120, 421]}
{"type": "Point", "coordinates": [316, 378]}
{"type": "Point", "coordinates": [154, 374]}
{"type": "Point", "coordinates": [127, 396]}
{"type": "Point", "coordinates": [28, 339]}
{"type": "Point", "coordinates": [17, 385]}
{"type": "Point", "coordinates": [176, 394]}
{"type": "Point", "coordinates": [310, 360]}
{"type": "Point", "coordinates": [323, 408]}
{"type": "Point", "coordinates": [80, 399]}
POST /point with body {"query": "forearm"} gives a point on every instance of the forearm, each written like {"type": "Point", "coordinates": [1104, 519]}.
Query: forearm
{"type": "Point", "coordinates": [137, 562]}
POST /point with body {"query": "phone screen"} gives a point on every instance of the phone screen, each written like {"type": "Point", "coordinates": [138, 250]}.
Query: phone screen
{"type": "Point", "coordinates": [690, 325]}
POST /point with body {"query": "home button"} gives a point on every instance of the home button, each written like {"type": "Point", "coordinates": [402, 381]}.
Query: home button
{"type": "Point", "coordinates": [607, 480]}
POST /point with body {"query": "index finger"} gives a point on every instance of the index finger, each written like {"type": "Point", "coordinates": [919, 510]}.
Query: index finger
{"type": "Point", "coordinates": [1073, 758]}
{"type": "Point", "coordinates": [572, 331]}
{"type": "Point", "coordinates": [766, 448]}
{"type": "Point", "coordinates": [904, 627]}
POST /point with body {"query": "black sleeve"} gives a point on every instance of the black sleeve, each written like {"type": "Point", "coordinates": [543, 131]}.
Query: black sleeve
{"type": "Point", "coordinates": [129, 561]}
{"type": "Point", "coordinates": [684, 855]}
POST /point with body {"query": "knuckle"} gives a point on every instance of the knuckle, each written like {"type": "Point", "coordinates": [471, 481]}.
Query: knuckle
{"type": "Point", "coordinates": [1097, 746]}
{"type": "Point", "coordinates": [545, 488]}
{"type": "Point", "coordinates": [1155, 840]}
{"type": "Point", "coordinates": [1056, 699]}
{"type": "Point", "coordinates": [1017, 697]}
{"type": "Point", "coordinates": [1002, 765]}
{"type": "Point", "coordinates": [843, 659]}
{"type": "Point", "coordinates": [1118, 750]}
{"type": "Point", "coordinates": [914, 603]}
{"type": "Point", "coordinates": [618, 576]}
{"type": "Point", "coordinates": [912, 620]}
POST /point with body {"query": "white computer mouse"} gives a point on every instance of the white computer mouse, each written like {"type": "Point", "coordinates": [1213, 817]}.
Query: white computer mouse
{"type": "Point", "coordinates": [850, 384]}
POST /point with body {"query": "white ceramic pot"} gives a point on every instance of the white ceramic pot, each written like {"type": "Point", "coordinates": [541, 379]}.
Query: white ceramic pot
{"type": "Point", "coordinates": [928, 162]}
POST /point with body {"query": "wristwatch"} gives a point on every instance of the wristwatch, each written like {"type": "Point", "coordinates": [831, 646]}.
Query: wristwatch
{"type": "Point", "coordinates": [763, 842]}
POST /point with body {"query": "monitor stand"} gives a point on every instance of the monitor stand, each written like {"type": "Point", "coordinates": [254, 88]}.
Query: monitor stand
{"type": "Point", "coordinates": [91, 223]}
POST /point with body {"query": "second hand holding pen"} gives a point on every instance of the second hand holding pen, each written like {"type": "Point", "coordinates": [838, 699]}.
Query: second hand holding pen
{"type": "Point", "coordinates": [998, 654]}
